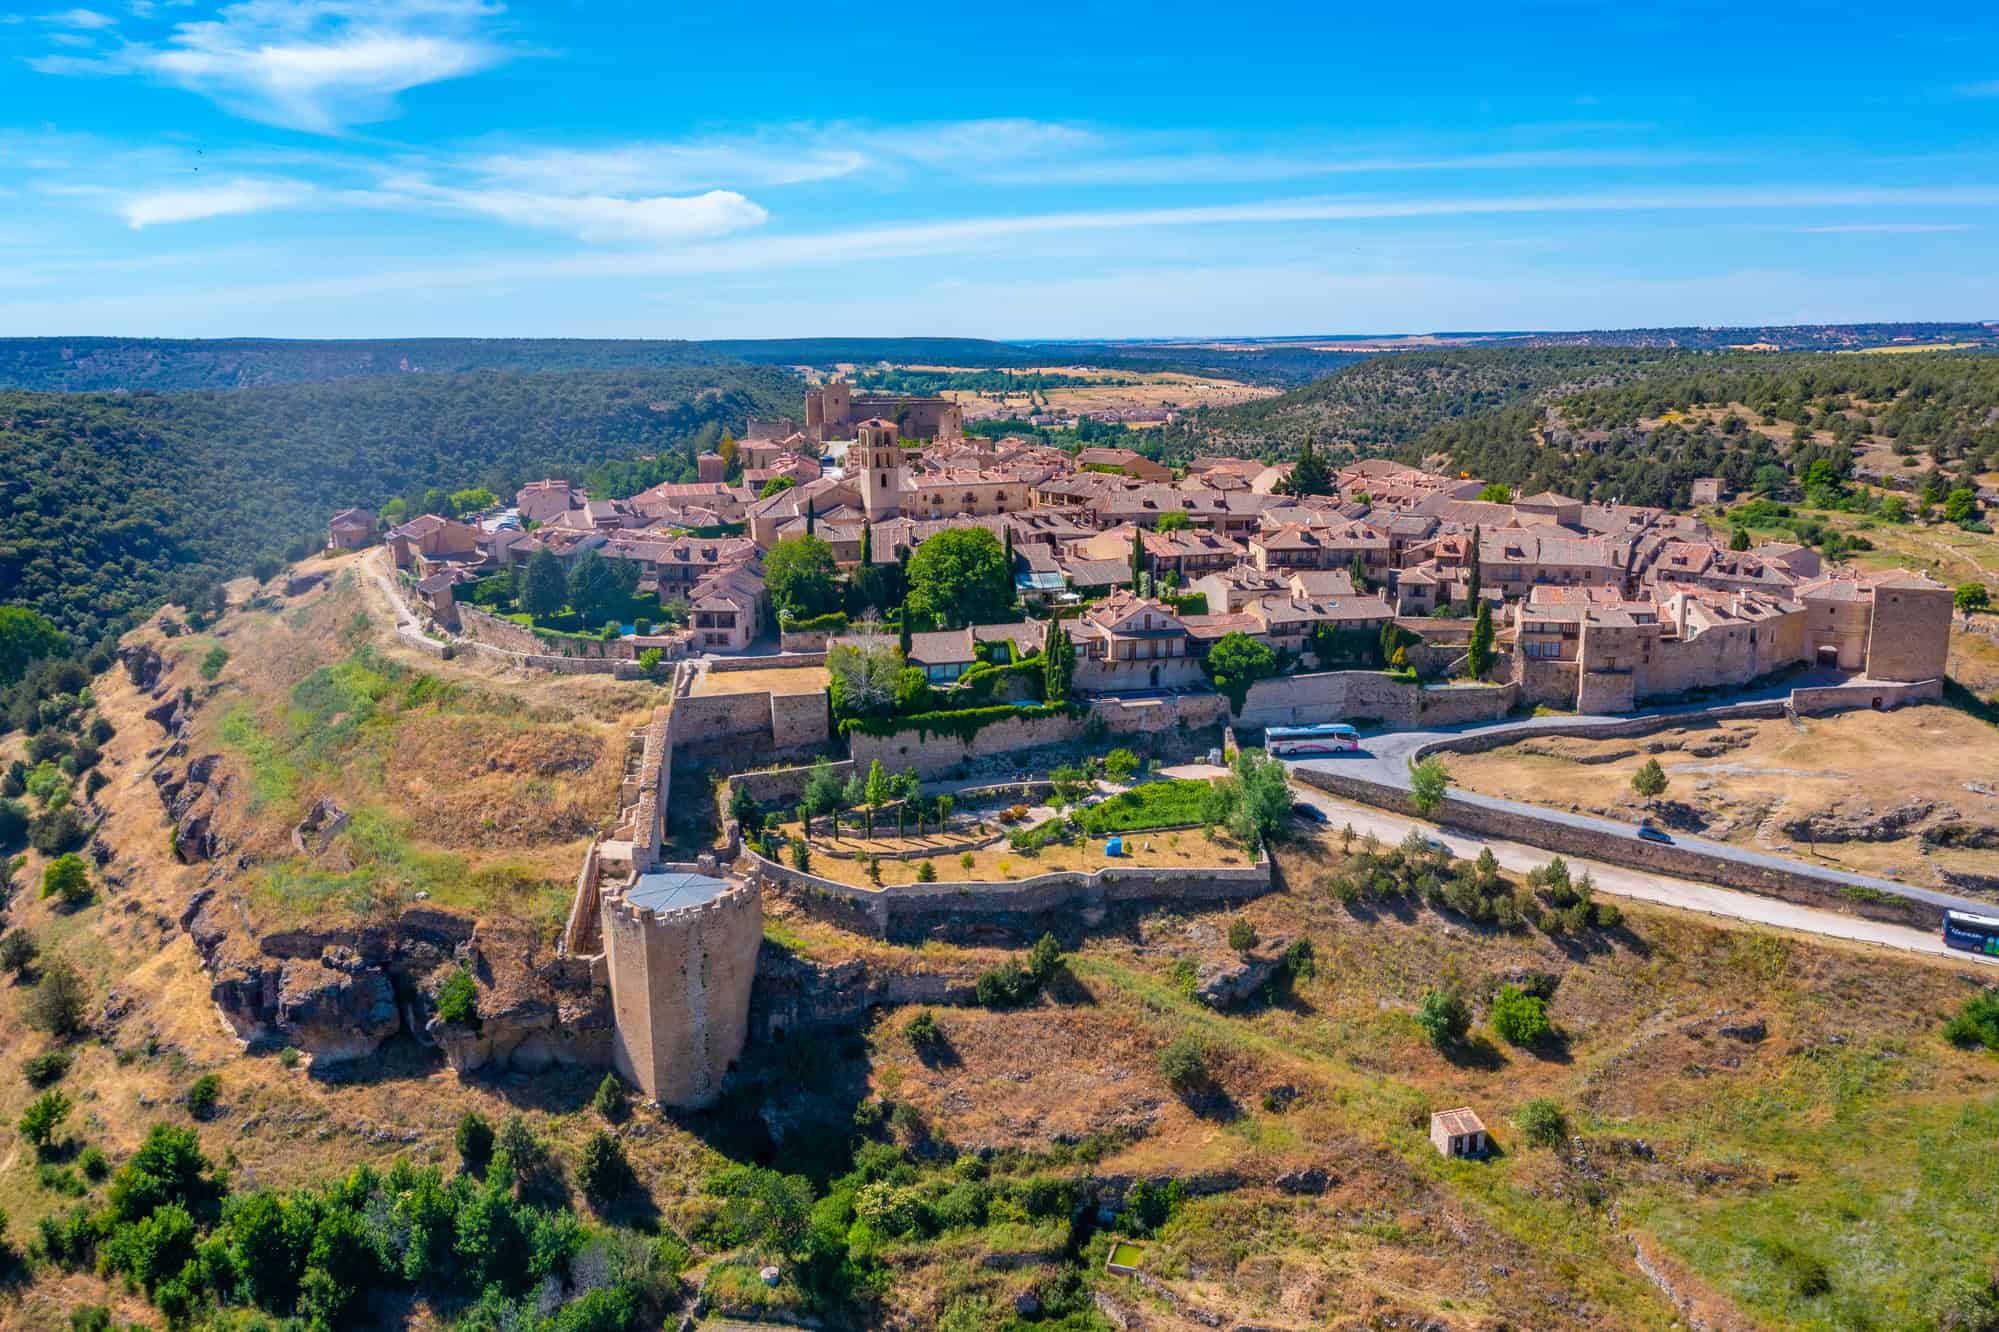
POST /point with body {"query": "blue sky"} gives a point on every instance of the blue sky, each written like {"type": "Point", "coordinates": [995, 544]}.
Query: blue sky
{"type": "Point", "coordinates": [345, 168]}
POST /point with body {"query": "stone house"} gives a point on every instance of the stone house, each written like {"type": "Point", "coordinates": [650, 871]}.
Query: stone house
{"type": "Point", "coordinates": [351, 529]}
{"type": "Point", "coordinates": [545, 501]}
{"type": "Point", "coordinates": [1127, 461]}
{"type": "Point", "coordinates": [429, 539]}
{"type": "Point", "coordinates": [1129, 642]}
{"type": "Point", "coordinates": [1459, 1132]}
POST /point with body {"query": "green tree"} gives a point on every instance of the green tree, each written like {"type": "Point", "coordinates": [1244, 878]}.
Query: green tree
{"type": "Point", "coordinates": [1650, 780]}
{"type": "Point", "coordinates": [1137, 559]}
{"type": "Point", "coordinates": [1120, 764]}
{"type": "Point", "coordinates": [959, 577]}
{"type": "Point", "coordinates": [922, 1031]}
{"type": "Point", "coordinates": [1972, 597]}
{"type": "Point", "coordinates": [1474, 572]}
{"type": "Point", "coordinates": [60, 1003]}
{"type": "Point", "coordinates": [43, 1119]}
{"type": "Point", "coordinates": [472, 501]}
{"type": "Point", "coordinates": [1496, 493]}
{"type": "Point", "coordinates": [543, 588]}
{"type": "Point", "coordinates": [1429, 782]}
{"type": "Point", "coordinates": [26, 636]}
{"type": "Point", "coordinates": [875, 794]}
{"type": "Point", "coordinates": [802, 577]}
{"type": "Point", "coordinates": [1058, 662]}
{"type": "Point", "coordinates": [597, 588]}
{"type": "Point", "coordinates": [202, 1095]}
{"type": "Point", "coordinates": [1443, 1017]}
{"type": "Point", "coordinates": [1479, 656]}
{"type": "Point", "coordinates": [1309, 474]}
{"type": "Point", "coordinates": [1542, 1122]}
{"type": "Point", "coordinates": [67, 876]}
{"type": "Point", "coordinates": [777, 485]}
{"type": "Point", "coordinates": [604, 1174]}
{"type": "Point", "coordinates": [1236, 662]}
{"type": "Point", "coordinates": [1253, 801]}
{"type": "Point", "coordinates": [18, 951]}
{"type": "Point", "coordinates": [1960, 505]}
{"type": "Point", "coordinates": [1738, 539]}
{"type": "Point", "coordinates": [458, 999]}
{"type": "Point", "coordinates": [1173, 520]}
{"type": "Point", "coordinates": [1186, 1062]}
{"type": "Point", "coordinates": [1518, 1017]}
{"type": "Point", "coordinates": [474, 1141]}
{"type": "Point", "coordinates": [1242, 935]}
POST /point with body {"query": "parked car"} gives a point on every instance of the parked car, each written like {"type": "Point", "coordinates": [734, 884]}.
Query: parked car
{"type": "Point", "coordinates": [1309, 812]}
{"type": "Point", "coordinates": [1651, 834]}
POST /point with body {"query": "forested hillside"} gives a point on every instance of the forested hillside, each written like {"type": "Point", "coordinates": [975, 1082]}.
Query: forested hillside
{"type": "Point", "coordinates": [107, 502]}
{"type": "Point", "coordinates": [1781, 337]}
{"type": "Point", "coordinates": [170, 365]}
{"type": "Point", "coordinates": [1643, 441]}
{"type": "Point", "coordinates": [1383, 402]}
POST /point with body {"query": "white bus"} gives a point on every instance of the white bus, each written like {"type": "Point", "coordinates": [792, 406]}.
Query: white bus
{"type": "Point", "coordinates": [1303, 741]}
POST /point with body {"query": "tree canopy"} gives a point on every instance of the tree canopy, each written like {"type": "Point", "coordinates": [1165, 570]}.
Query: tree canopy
{"type": "Point", "coordinates": [802, 577]}
{"type": "Point", "coordinates": [960, 577]}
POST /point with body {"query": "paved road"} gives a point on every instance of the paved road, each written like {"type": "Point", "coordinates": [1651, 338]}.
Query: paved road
{"type": "Point", "coordinates": [1646, 886]}
{"type": "Point", "coordinates": [1385, 759]}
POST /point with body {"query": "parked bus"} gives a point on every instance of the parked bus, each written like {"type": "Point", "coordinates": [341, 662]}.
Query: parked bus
{"type": "Point", "coordinates": [1974, 934]}
{"type": "Point", "coordinates": [1302, 741]}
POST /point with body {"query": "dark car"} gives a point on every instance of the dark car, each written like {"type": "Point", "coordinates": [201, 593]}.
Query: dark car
{"type": "Point", "coordinates": [1651, 834]}
{"type": "Point", "coordinates": [1311, 813]}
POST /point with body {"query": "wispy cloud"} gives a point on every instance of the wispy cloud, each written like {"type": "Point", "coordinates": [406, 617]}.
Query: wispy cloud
{"type": "Point", "coordinates": [80, 18]}
{"type": "Point", "coordinates": [224, 199]}
{"type": "Point", "coordinates": [596, 218]}
{"type": "Point", "coordinates": [1910, 227]}
{"type": "Point", "coordinates": [624, 168]}
{"type": "Point", "coordinates": [315, 65]}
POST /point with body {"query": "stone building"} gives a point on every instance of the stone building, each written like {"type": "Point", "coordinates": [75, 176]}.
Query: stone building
{"type": "Point", "coordinates": [1458, 1132]}
{"type": "Point", "coordinates": [351, 529]}
{"type": "Point", "coordinates": [680, 947]}
{"type": "Point", "coordinates": [834, 409]}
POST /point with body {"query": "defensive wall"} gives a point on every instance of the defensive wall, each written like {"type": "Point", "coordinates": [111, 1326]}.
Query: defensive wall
{"type": "Point", "coordinates": [910, 909]}
{"type": "Point", "coordinates": [1298, 700]}
{"type": "Point", "coordinates": [1168, 721]}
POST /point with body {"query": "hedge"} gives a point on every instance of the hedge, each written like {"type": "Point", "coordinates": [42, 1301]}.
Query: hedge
{"type": "Point", "coordinates": [831, 622]}
{"type": "Point", "coordinates": [964, 723]}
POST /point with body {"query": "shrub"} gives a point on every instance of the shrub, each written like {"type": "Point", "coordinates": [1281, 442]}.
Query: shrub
{"type": "Point", "coordinates": [474, 1140]}
{"type": "Point", "coordinates": [458, 999]}
{"type": "Point", "coordinates": [47, 1067]}
{"type": "Point", "coordinates": [1443, 1018]}
{"type": "Point", "coordinates": [649, 659]}
{"type": "Point", "coordinates": [95, 1164]}
{"type": "Point", "coordinates": [1541, 1122]}
{"type": "Point", "coordinates": [926, 872]}
{"type": "Point", "coordinates": [1242, 935]}
{"type": "Point", "coordinates": [801, 855]}
{"type": "Point", "coordinates": [1976, 1023]}
{"type": "Point", "coordinates": [1044, 959]}
{"type": "Point", "coordinates": [610, 1100]}
{"type": "Point", "coordinates": [922, 1031]}
{"type": "Point", "coordinates": [18, 951]}
{"type": "Point", "coordinates": [214, 661]}
{"type": "Point", "coordinates": [1120, 765]}
{"type": "Point", "coordinates": [59, 1001]}
{"type": "Point", "coordinates": [43, 1119]}
{"type": "Point", "coordinates": [1185, 1063]}
{"type": "Point", "coordinates": [1006, 986]}
{"type": "Point", "coordinates": [68, 877]}
{"type": "Point", "coordinates": [288, 1057]}
{"type": "Point", "coordinates": [201, 1097]}
{"type": "Point", "coordinates": [604, 1174]}
{"type": "Point", "coordinates": [1518, 1017]}
{"type": "Point", "coordinates": [13, 823]}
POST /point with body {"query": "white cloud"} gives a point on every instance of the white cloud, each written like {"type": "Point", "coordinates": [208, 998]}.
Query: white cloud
{"type": "Point", "coordinates": [1911, 227]}
{"type": "Point", "coordinates": [225, 199]}
{"type": "Point", "coordinates": [316, 65]}
{"type": "Point", "coordinates": [80, 18]}
{"type": "Point", "coordinates": [626, 168]}
{"type": "Point", "coordinates": [596, 218]}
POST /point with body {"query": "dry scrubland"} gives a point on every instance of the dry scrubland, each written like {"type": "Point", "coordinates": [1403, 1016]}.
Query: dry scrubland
{"type": "Point", "coordinates": [1830, 1169]}
{"type": "Point", "coordinates": [999, 862]}
{"type": "Point", "coordinates": [1858, 790]}
{"type": "Point", "coordinates": [1170, 391]}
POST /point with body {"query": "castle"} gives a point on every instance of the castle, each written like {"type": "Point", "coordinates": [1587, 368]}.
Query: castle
{"type": "Point", "coordinates": [834, 409]}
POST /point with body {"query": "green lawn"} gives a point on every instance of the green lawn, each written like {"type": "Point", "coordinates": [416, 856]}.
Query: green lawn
{"type": "Point", "coordinates": [1152, 805]}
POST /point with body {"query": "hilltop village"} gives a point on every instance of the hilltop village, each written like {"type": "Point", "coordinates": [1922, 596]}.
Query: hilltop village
{"type": "Point", "coordinates": [874, 613]}
{"type": "Point", "coordinates": [1599, 607]}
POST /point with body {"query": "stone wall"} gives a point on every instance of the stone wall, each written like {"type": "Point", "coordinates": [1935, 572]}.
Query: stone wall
{"type": "Point", "coordinates": [482, 627]}
{"type": "Point", "coordinates": [680, 992]}
{"type": "Point", "coordinates": [790, 661]}
{"type": "Point", "coordinates": [799, 722]}
{"type": "Point", "coordinates": [806, 640]}
{"type": "Point", "coordinates": [1909, 636]}
{"type": "Point", "coordinates": [908, 909]}
{"type": "Point", "coordinates": [935, 754]}
{"type": "Point", "coordinates": [1301, 700]}
{"type": "Point", "coordinates": [1878, 694]}
{"type": "Point", "coordinates": [1620, 848]}
{"type": "Point", "coordinates": [781, 788]}
{"type": "Point", "coordinates": [728, 729]}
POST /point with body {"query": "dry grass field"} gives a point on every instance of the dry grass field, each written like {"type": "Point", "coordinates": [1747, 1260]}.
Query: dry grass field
{"type": "Point", "coordinates": [1867, 783]}
{"type": "Point", "coordinates": [780, 680]}
{"type": "Point", "coordinates": [999, 862]}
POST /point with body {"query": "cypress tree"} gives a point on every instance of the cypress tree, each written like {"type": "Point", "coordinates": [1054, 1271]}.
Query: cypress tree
{"type": "Point", "coordinates": [1480, 655]}
{"type": "Point", "coordinates": [867, 543]}
{"type": "Point", "coordinates": [1472, 570]}
{"type": "Point", "coordinates": [1137, 556]}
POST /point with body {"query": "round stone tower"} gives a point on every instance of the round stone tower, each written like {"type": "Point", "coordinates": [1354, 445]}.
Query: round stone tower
{"type": "Point", "coordinates": [681, 950]}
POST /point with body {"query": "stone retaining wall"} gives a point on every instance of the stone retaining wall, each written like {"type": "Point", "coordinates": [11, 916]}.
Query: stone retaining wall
{"type": "Point", "coordinates": [1619, 848]}
{"type": "Point", "coordinates": [896, 911]}
{"type": "Point", "coordinates": [1322, 696]}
